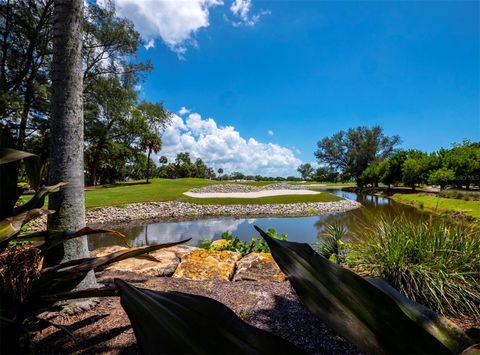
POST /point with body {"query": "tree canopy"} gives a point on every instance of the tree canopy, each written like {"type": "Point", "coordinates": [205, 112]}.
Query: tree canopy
{"type": "Point", "coordinates": [352, 151]}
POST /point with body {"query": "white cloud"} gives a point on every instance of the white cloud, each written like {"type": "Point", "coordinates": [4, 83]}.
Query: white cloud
{"type": "Point", "coordinates": [174, 21]}
{"type": "Point", "coordinates": [241, 10]}
{"type": "Point", "coordinates": [150, 44]}
{"type": "Point", "coordinates": [223, 147]}
{"type": "Point", "coordinates": [270, 132]}
{"type": "Point", "coordinates": [183, 111]}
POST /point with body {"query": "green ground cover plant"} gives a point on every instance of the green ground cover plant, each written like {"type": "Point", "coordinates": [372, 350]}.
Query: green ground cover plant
{"type": "Point", "coordinates": [234, 243]}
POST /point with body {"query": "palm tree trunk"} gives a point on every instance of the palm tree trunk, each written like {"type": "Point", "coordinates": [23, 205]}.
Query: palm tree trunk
{"type": "Point", "coordinates": [66, 130]}
{"type": "Point", "coordinates": [148, 163]}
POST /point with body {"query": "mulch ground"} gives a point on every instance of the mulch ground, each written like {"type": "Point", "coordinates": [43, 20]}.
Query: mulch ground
{"type": "Point", "coordinates": [270, 306]}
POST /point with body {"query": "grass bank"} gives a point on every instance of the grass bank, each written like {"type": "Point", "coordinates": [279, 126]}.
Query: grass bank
{"type": "Point", "coordinates": [322, 197]}
{"type": "Point", "coordinates": [173, 189]}
{"type": "Point", "coordinates": [440, 204]}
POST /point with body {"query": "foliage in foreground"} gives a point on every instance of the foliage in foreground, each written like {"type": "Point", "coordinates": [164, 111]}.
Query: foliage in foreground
{"type": "Point", "coordinates": [233, 243]}
{"type": "Point", "coordinates": [430, 262]}
{"type": "Point", "coordinates": [33, 277]}
{"type": "Point", "coordinates": [163, 322]}
{"type": "Point", "coordinates": [175, 322]}
{"type": "Point", "coordinates": [331, 245]}
{"type": "Point", "coordinates": [369, 313]}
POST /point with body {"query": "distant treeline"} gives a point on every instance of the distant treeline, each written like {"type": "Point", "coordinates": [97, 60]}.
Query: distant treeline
{"type": "Point", "coordinates": [183, 167]}
{"type": "Point", "coordinates": [368, 157]}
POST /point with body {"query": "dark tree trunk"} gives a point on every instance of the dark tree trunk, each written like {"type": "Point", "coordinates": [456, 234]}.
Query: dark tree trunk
{"type": "Point", "coordinates": [66, 130]}
{"type": "Point", "coordinates": [148, 164]}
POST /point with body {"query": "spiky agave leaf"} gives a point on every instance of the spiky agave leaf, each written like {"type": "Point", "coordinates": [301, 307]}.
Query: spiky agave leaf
{"type": "Point", "coordinates": [10, 226]}
{"type": "Point", "coordinates": [46, 240]}
{"type": "Point", "coordinates": [9, 155]}
{"type": "Point", "coordinates": [180, 323]}
{"type": "Point", "coordinates": [38, 200]}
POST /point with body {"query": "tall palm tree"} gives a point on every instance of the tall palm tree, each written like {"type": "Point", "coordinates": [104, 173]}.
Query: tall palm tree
{"type": "Point", "coordinates": [151, 143]}
{"type": "Point", "coordinates": [66, 130]}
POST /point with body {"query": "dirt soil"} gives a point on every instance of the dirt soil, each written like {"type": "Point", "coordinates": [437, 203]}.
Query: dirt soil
{"type": "Point", "coordinates": [270, 306]}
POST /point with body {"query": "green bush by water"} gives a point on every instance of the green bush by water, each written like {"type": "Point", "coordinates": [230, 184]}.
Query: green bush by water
{"type": "Point", "coordinates": [430, 262]}
{"type": "Point", "coordinates": [234, 243]}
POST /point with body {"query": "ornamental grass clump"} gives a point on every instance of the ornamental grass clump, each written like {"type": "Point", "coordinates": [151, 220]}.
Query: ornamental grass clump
{"type": "Point", "coordinates": [431, 262]}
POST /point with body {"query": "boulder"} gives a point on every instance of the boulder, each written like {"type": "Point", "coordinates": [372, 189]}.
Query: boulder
{"type": "Point", "coordinates": [202, 264]}
{"type": "Point", "coordinates": [181, 250]}
{"type": "Point", "coordinates": [258, 267]}
{"type": "Point", "coordinates": [165, 266]}
{"type": "Point", "coordinates": [106, 250]}
{"type": "Point", "coordinates": [220, 244]}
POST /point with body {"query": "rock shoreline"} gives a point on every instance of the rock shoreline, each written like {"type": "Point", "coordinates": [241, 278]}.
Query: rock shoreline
{"type": "Point", "coordinates": [193, 263]}
{"type": "Point", "coordinates": [173, 209]}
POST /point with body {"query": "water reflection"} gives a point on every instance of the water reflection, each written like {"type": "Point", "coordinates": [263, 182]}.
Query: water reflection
{"type": "Point", "coordinates": [302, 229]}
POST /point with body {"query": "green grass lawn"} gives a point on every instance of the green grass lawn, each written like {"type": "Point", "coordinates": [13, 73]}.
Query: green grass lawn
{"type": "Point", "coordinates": [440, 204]}
{"type": "Point", "coordinates": [170, 190]}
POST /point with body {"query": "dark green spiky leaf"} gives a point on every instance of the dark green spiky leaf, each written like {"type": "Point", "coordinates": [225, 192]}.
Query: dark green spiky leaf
{"type": "Point", "coordinates": [179, 323]}
{"type": "Point", "coordinates": [12, 225]}
{"type": "Point", "coordinates": [88, 293]}
{"type": "Point", "coordinates": [66, 276]}
{"type": "Point", "coordinates": [9, 155]}
{"type": "Point", "coordinates": [472, 350]}
{"type": "Point", "coordinates": [355, 308]}
{"type": "Point", "coordinates": [443, 329]}
{"type": "Point", "coordinates": [38, 199]}
{"type": "Point", "coordinates": [46, 240]}
{"type": "Point", "coordinates": [9, 192]}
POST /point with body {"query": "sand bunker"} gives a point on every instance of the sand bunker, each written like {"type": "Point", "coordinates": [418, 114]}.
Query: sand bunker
{"type": "Point", "coordinates": [252, 194]}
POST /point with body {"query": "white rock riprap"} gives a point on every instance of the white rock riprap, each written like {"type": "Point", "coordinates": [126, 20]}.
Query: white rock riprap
{"type": "Point", "coordinates": [235, 188]}
{"type": "Point", "coordinates": [174, 209]}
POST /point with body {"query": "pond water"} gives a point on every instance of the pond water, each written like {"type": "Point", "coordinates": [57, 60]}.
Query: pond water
{"type": "Point", "coordinates": [298, 229]}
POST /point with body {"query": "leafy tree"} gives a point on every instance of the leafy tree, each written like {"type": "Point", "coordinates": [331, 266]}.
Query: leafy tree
{"type": "Point", "coordinates": [464, 160]}
{"type": "Point", "coordinates": [324, 173]}
{"type": "Point", "coordinates": [441, 177]}
{"type": "Point", "coordinates": [66, 126]}
{"type": "Point", "coordinates": [351, 152]}
{"type": "Point", "coordinates": [413, 171]}
{"type": "Point", "coordinates": [109, 46]}
{"type": "Point", "coordinates": [393, 170]}
{"type": "Point", "coordinates": [163, 160]}
{"type": "Point", "coordinates": [374, 173]}
{"type": "Point", "coordinates": [306, 171]}
{"type": "Point", "coordinates": [26, 47]}
{"type": "Point", "coordinates": [236, 175]}
{"type": "Point", "coordinates": [108, 121]}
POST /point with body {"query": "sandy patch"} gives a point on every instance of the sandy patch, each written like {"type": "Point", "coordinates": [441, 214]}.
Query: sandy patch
{"type": "Point", "coordinates": [252, 194]}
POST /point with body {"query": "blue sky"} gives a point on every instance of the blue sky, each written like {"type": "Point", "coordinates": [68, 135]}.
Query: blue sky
{"type": "Point", "coordinates": [307, 69]}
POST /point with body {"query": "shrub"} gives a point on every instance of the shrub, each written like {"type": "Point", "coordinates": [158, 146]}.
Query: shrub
{"type": "Point", "coordinates": [431, 262]}
{"type": "Point", "coordinates": [368, 312]}
{"type": "Point", "coordinates": [234, 243]}
{"type": "Point", "coordinates": [331, 245]}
